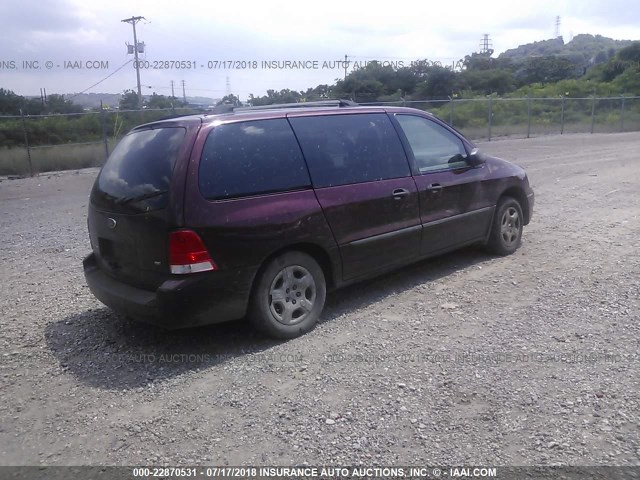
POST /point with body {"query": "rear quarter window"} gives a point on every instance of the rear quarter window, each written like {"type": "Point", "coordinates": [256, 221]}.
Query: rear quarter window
{"type": "Point", "coordinates": [141, 166]}
{"type": "Point", "coordinates": [251, 158]}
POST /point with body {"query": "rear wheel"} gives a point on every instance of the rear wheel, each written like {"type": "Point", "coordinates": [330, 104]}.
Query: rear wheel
{"type": "Point", "coordinates": [506, 230]}
{"type": "Point", "coordinates": [288, 296]}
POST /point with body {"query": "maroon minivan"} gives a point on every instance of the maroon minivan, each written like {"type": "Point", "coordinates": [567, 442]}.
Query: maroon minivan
{"type": "Point", "coordinates": [257, 212]}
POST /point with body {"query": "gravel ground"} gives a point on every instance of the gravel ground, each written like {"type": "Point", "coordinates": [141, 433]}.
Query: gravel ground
{"type": "Point", "coordinates": [530, 359]}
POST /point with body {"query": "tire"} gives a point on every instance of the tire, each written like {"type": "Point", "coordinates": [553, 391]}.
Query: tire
{"type": "Point", "coordinates": [288, 296]}
{"type": "Point", "coordinates": [506, 229]}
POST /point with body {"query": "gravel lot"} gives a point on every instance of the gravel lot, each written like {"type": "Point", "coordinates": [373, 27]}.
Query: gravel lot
{"type": "Point", "coordinates": [466, 359]}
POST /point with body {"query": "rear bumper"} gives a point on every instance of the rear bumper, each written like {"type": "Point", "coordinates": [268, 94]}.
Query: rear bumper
{"type": "Point", "coordinates": [197, 299]}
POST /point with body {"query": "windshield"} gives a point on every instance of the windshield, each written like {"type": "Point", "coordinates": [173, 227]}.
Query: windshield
{"type": "Point", "coordinates": [139, 169]}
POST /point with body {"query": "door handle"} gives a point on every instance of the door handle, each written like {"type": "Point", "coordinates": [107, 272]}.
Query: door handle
{"type": "Point", "coordinates": [434, 188]}
{"type": "Point", "coordinates": [400, 193]}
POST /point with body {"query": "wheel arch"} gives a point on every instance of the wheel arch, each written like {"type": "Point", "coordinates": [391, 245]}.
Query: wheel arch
{"type": "Point", "coordinates": [315, 251]}
{"type": "Point", "coordinates": [521, 197]}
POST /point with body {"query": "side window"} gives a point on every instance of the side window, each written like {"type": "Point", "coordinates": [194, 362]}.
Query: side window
{"type": "Point", "coordinates": [344, 149]}
{"type": "Point", "coordinates": [433, 146]}
{"type": "Point", "coordinates": [249, 158]}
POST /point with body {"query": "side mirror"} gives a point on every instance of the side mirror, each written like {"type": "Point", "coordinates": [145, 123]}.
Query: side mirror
{"type": "Point", "coordinates": [475, 158]}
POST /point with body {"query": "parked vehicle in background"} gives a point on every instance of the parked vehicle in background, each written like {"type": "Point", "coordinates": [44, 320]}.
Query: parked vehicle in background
{"type": "Point", "coordinates": [257, 212]}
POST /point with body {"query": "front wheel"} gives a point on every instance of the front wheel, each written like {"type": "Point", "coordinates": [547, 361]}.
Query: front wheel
{"type": "Point", "coordinates": [506, 230]}
{"type": "Point", "coordinates": [288, 296]}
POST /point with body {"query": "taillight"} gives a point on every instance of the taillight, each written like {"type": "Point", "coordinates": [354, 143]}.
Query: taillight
{"type": "Point", "coordinates": [187, 253]}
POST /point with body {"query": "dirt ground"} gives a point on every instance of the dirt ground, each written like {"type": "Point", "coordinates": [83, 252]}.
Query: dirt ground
{"type": "Point", "coordinates": [530, 359]}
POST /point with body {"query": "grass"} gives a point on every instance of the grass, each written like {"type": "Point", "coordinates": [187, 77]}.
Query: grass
{"type": "Point", "coordinates": [14, 161]}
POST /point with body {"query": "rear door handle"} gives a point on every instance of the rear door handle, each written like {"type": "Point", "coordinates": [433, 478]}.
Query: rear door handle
{"type": "Point", "coordinates": [400, 193]}
{"type": "Point", "coordinates": [434, 188]}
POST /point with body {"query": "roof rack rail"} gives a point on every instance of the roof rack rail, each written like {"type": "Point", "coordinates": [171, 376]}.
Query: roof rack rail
{"type": "Point", "coordinates": [321, 103]}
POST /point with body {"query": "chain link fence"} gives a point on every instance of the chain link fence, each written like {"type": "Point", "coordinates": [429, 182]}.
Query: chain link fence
{"type": "Point", "coordinates": [34, 144]}
{"type": "Point", "coordinates": [31, 144]}
{"type": "Point", "coordinates": [491, 117]}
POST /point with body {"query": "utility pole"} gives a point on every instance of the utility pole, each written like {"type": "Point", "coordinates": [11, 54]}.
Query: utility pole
{"type": "Point", "coordinates": [346, 64]}
{"type": "Point", "coordinates": [133, 21]}
{"type": "Point", "coordinates": [172, 94]}
{"type": "Point", "coordinates": [184, 95]}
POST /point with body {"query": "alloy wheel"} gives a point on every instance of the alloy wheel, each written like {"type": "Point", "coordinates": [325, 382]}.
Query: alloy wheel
{"type": "Point", "coordinates": [510, 226]}
{"type": "Point", "coordinates": [292, 295]}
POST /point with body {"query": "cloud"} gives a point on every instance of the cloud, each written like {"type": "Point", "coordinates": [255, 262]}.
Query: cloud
{"type": "Point", "coordinates": [616, 13]}
{"type": "Point", "coordinates": [276, 30]}
{"type": "Point", "coordinates": [25, 17]}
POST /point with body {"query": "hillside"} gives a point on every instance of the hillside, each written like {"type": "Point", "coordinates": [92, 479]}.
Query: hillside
{"type": "Point", "coordinates": [586, 47]}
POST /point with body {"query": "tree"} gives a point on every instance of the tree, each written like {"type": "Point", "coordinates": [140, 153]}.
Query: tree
{"type": "Point", "coordinates": [320, 92]}
{"type": "Point", "coordinates": [230, 99]}
{"type": "Point", "coordinates": [628, 81]}
{"type": "Point", "coordinates": [369, 82]}
{"type": "Point", "coordinates": [57, 104]}
{"type": "Point", "coordinates": [273, 97]}
{"type": "Point", "coordinates": [547, 69]}
{"type": "Point", "coordinates": [10, 103]}
{"type": "Point", "coordinates": [486, 82]}
{"type": "Point", "coordinates": [156, 101]}
{"type": "Point", "coordinates": [630, 53]}
{"type": "Point", "coordinates": [484, 61]}
{"type": "Point", "coordinates": [601, 57]}
{"type": "Point", "coordinates": [129, 100]}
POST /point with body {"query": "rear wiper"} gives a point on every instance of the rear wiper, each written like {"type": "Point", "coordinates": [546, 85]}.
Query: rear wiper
{"type": "Point", "coordinates": [138, 198]}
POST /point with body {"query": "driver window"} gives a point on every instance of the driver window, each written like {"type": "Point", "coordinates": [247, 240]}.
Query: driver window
{"type": "Point", "coordinates": [433, 146]}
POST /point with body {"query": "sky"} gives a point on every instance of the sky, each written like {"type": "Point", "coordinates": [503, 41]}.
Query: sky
{"type": "Point", "coordinates": [239, 47]}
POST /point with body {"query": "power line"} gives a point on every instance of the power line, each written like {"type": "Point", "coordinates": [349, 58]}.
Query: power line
{"type": "Point", "coordinates": [98, 83]}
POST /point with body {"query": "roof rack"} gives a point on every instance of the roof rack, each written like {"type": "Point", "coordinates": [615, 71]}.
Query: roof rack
{"type": "Point", "coordinates": [322, 103]}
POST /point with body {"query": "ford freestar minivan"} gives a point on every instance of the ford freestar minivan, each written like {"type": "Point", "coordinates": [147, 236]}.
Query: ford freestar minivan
{"type": "Point", "coordinates": [257, 212]}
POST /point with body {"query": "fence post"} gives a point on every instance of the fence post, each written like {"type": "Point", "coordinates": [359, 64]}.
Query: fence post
{"type": "Point", "coordinates": [451, 110]}
{"type": "Point", "coordinates": [593, 111]}
{"type": "Point", "coordinates": [561, 114]}
{"type": "Point", "coordinates": [528, 116]}
{"type": "Point", "coordinates": [622, 114]}
{"type": "Point", "coordinates": [26, 143]}
{"type": "Point", "coordinates": [103, 122]}
{"type": "Point", "coordinates": [490, 117]}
